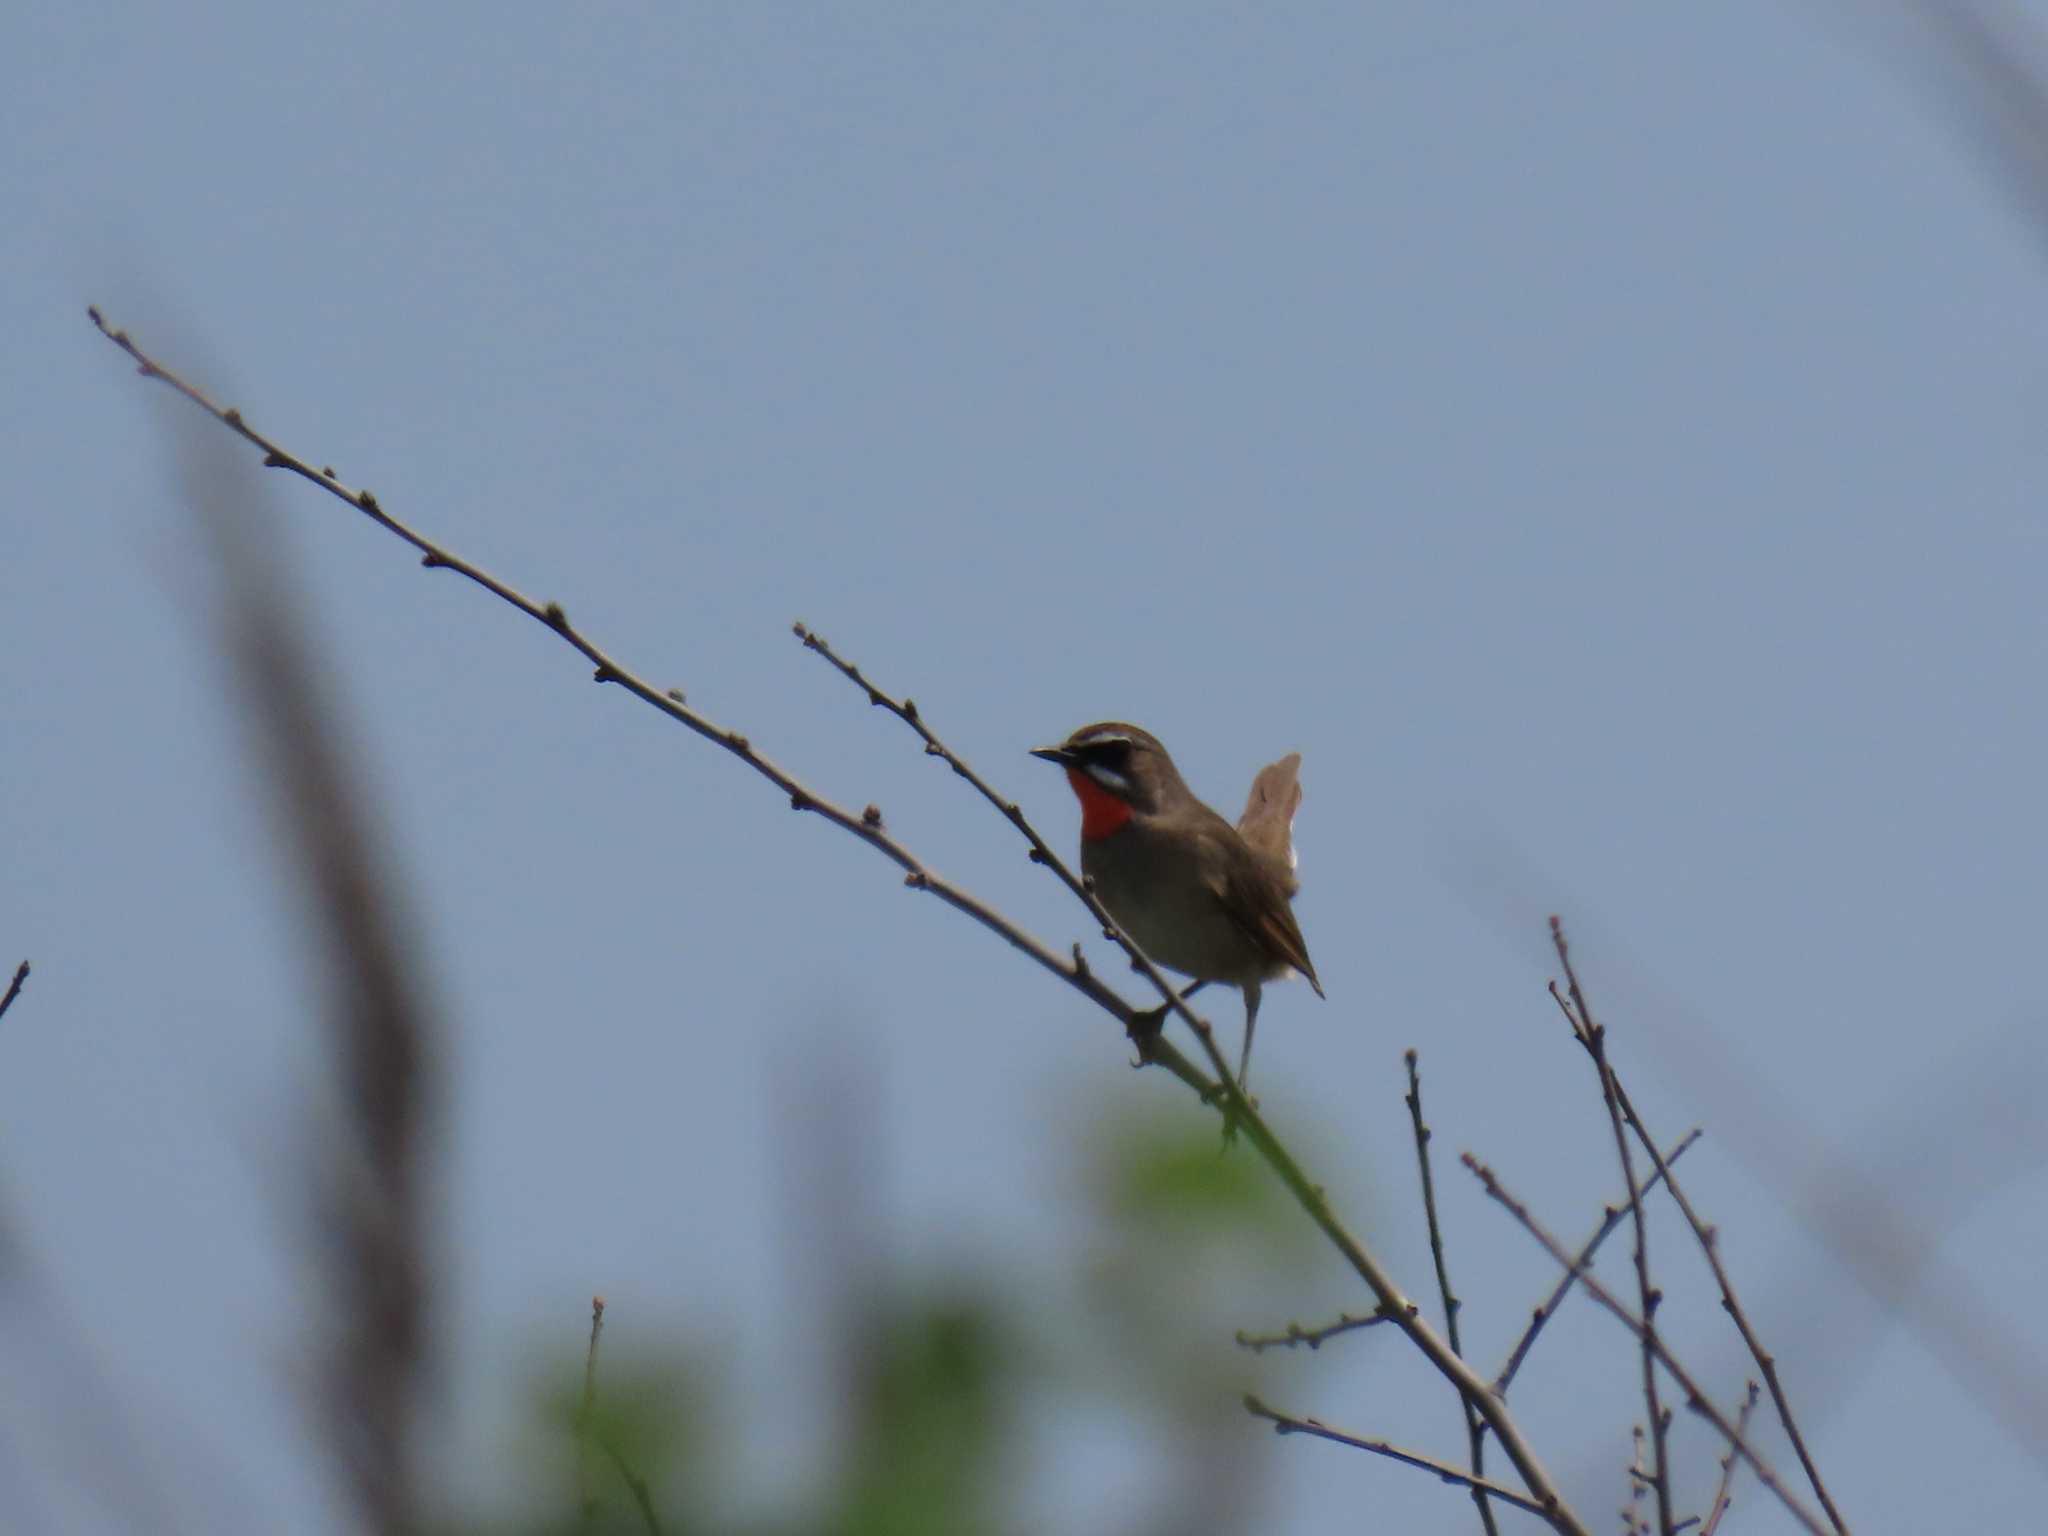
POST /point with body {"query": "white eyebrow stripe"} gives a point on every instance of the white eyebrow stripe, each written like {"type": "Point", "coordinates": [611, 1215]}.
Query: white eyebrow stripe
{"type": "Point", "coordinates": [1102, 739]}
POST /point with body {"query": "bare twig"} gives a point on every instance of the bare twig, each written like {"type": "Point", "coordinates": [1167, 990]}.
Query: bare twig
{"type": "Point", "coordinates": [14, 987]}
{"type": "Point", "coordinates": [1696, 1400]}
{"type": "Point", "coordinates": [1632, 1521]}
{"type": "Point", "coordinates": [1290, 1424]}
{"type": "Point", "coordinates": [1710, 1245]}
{"type": "Point", "coordinates": [1608, 1222]}
{"type": "Point", "coordinates": [1593, 1037]}
{"type": "Point", "coordinates": [1719, 1507]}
{"type": "Point", "coordinates": [1475, 1427]}
{"type": "Point", "coordinates": [868, 827]}
{"type": "Point", "coordinates": [1314, 1338]}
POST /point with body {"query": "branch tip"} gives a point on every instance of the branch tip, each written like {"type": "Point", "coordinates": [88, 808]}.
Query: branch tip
{"type": "Point", "coordinates": [20, 979]}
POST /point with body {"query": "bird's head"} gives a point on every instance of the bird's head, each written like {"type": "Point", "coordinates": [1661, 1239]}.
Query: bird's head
{"type": "Point", "coordinates": [1117, 771]}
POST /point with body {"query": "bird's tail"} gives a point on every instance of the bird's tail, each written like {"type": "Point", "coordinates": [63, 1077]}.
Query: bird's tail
{"type": "Point", "coordinates": [1268, 820]}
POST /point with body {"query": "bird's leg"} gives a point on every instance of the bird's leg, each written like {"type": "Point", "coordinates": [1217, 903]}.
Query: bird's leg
{"type": "Point", "coordinates": [1251, 1018]}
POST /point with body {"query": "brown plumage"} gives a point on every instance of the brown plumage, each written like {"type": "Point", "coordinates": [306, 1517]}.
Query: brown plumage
{"type": "Point", "coordinates": [1194, 893]}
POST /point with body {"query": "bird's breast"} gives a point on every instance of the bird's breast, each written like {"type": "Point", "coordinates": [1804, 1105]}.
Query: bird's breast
{"type": "Point", "coordinates": [1158, 891]}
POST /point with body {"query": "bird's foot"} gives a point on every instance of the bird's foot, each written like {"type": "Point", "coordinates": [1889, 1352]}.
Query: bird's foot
{"type": "Point", "coordinates": [1219, 1097]}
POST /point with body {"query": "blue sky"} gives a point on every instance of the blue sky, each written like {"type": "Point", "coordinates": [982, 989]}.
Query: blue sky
{"type": "Point", "coordinates": [1604, 440]}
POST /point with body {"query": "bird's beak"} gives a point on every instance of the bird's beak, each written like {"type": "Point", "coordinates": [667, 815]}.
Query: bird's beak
{"type": "Point", "coordinates": [1058, 755]}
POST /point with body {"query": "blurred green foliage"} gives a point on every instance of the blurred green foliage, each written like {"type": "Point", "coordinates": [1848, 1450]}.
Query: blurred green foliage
{"type": "Point", "coordinates": [946, 1376]}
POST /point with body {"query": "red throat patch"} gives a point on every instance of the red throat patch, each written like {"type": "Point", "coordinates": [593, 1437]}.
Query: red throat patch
{"type": "Point", "coordinates": [1101, 812]}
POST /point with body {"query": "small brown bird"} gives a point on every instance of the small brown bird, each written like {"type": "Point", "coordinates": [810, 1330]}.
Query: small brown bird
{"type": "Point", "coordinates": [1195, 894]}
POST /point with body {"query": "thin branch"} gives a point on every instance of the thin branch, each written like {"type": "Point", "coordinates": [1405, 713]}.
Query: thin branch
{"type": "Point", "coordinates": [1041, 851]}
{"type": "Point", "coordinates": [1696, 1400]}
{"type": "Point", "coordinates": [1709, 1238]}
{"type": "Point", "coordinates": [1290, 1424]}
{"type": "Point", "coordinates": [1314, 1338]}
{"type": "Point", "coordinates": [1721, 1499]}
{"type": "Point", "coordinates": [1475, 1428]}
{"type": "Point", "coordinates": [1593, 1037]}
{"type": "Point", "coordinates": [14, 987]}
{"type": "Point", "coordinates": [1632, 1521]}
{"type": "Point", "coordinates": [1153, 1048]}
{"type": "Point", "coordinates": [1612, 1219]}
{"type": "Point", "coordinates": [1710, 1245]}
{"type": "Point", "coordinates": [866, 825]}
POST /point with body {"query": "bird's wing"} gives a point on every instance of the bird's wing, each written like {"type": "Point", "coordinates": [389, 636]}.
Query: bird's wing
{"type": "Point", "coordinates": [1263, 886]}
{"type": "Point", "coordinates": [1268, 819]}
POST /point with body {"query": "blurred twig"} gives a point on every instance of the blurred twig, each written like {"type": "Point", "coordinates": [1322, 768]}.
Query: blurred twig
{"type": "Point", "coordinates": [381, 1030]}
{"type": "Point", "coordinates": [588, 1433]}
{"type": "Point", "coordinates": [586, 1408]}
{"type": "Point", "coordinates": [1475, 1428]}
{"type": "Point", "coordinates": [1990, 64]}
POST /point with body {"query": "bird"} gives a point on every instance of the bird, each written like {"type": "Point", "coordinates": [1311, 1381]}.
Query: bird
{"type": "Point", "coordinates": [1194, 893]}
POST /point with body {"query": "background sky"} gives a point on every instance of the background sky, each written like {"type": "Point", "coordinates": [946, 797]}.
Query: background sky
{"type": "Point", "coordinates": [1604, 439]}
